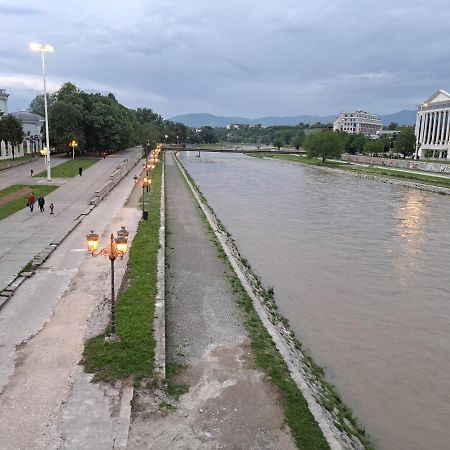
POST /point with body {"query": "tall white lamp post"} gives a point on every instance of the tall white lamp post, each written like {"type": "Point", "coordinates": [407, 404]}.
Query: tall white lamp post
{"type": "Point", "coordinates": [44, 48]}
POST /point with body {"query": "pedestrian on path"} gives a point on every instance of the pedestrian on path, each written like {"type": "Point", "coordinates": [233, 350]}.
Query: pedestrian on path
{"type": "Point", "coordinates": [41, 203]}
{"type": "Point", "coordinates": [80, 171]}
{"type": "Point", "coordinates": [51, 208]}
{"type": "Point", "coordinates": [31, 201]}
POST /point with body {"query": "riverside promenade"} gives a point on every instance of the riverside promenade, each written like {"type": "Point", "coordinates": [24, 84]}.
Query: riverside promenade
{"type": "Point", "coordinates": [24, 235]}
{"type": "Point", "coordinates": [230, 403]}
{"type": "Point", "coordinates": [46, 400]}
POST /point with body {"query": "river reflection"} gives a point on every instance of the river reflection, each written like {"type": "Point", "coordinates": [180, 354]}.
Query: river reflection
{"type": "Point", "coordinates": [360, 269]}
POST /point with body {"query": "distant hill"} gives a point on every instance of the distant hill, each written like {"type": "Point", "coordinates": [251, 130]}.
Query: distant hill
{"type": "Point", "coordinates": [405, 117]}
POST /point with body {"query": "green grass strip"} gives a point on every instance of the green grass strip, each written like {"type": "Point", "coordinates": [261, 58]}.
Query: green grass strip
{"type": "Point", "coordinates": [21, 202]}
{"type": "Point", "coordinates": [305, 430]}
{"type": "Point", "coordinates": [70, 168]}
{"type": "Point", "coordinates": [427, 179]}
{"type": "Point", "coordinates": [134, 354]}
{"type": "Point", "coordinates": [25, 158]}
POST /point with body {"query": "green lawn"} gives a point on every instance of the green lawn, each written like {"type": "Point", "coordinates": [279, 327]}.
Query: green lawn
{"type": "Point", "coordinates": [134, 354]}
{"type": "Point", "coordinates": [20, 202]}
{"type": "Point", "coordinates": [70, 168]}
{"type": "Point", "coordinates": [4, 162]}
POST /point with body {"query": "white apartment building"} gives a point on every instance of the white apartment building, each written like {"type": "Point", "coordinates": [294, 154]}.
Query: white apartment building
{"type": "Point", "coordinates": [433, 126]}
{"type": "Point", "coordinates": [358, 122]}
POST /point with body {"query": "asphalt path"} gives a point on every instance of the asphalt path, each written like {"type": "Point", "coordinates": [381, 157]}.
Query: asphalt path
{"type": "Point", "coordinates": [24, 234]}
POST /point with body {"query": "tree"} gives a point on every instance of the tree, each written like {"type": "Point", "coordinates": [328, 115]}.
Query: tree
{"type": "Point", "coordinates": [405, 142]}
{"type": "Point", "coordinates": [37, 104]}
{"type": "Point", "coordinates": [374, 146]}
{"type": "Point", "coordinates": [393, 126]}
{"type": "Point", "coordinates": [324, 144]}
{"type": "Point", "coordinates": [299, 139]}
{"type": "Point", "coordinates": [354, 143]}
{"type": "Point", "coordinates": [11, 130]}
{"type": "Point", "coordinates": [278, 142]}
{"type": "Point", "coordinates": [208, 136]}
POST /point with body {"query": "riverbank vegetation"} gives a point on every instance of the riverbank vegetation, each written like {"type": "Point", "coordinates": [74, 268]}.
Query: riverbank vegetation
{"type": "Point", "coordinates": [14, 198]}
{"type": "Point", "coordinates": [133, 355]}
{"type": "Point", "coordinates": [377, 171]}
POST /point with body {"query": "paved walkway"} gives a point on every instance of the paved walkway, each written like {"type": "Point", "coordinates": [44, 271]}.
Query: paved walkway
{"type": "Point", "coordinates": [24, 234]}
{"type": "Point", "coordinates": [230, 404]}
{"type": "Point", "coordinates": [46, 400]}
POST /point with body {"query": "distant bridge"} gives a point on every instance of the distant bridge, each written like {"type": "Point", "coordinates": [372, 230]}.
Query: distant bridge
{"type": "Point", "coordinates": [232, 149]}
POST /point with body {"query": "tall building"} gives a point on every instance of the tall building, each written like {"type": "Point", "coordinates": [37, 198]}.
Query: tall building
{"type": "Point", "coordinates": [358, 122]}
{"type": "Point", "coordinates": [433, 126]}
{"type": "Point", "coordinates": [3, 101]}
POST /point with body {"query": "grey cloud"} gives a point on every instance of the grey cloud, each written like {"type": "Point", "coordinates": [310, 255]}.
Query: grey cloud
{"type": "Point", "coordinates": [13, 10]}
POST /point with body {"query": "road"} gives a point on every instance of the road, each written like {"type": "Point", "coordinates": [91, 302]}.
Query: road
{"type": "Point", "coordinates": [24, 234]}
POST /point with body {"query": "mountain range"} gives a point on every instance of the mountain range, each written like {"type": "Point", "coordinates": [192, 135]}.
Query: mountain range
{"type": "Point", "coordinates": [198, 120]}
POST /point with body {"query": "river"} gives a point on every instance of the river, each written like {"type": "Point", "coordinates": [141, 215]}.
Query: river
{"type": "Point", "coordinates": [361, 270]}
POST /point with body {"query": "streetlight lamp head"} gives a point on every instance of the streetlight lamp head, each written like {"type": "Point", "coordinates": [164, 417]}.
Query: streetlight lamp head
{"type": "Point", "coordinates": [121, 245]}
{"type": "Point", "coordinates": [44, 151]}
{"type": "Point", "coordinates": [123, 232]}
{"type": "Point", "coordinates": [41, 47]}
{"type": "Point", "coordinates": [92, 240]}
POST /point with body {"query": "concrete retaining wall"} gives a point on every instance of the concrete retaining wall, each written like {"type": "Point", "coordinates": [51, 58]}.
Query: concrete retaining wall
{"type": "Point", "coordinates": [122, 169]}
{"type": "Point", "coordinates": [399, 163]}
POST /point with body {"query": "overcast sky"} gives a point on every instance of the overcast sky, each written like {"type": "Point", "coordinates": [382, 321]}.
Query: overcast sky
{"type": "Point", "coordinates": [250, 58]}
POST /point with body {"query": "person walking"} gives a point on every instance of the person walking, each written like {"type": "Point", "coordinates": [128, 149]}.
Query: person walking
{"type": "Point", "coordinates": [80, 171]}
{"type": "Point", "coordinates": [41, 203]}
{"type": "Point", "coordinates": [51, 208]}
{"type": "Point", "coordinates": [31, 201]}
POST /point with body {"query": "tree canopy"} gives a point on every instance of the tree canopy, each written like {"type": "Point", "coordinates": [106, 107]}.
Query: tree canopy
{"type": "Point", "coordinates": [325, 144]}
{"type": "Point", "coordinates": [100, 123]}
{"type": "Point", "coordinates": [11, 131]}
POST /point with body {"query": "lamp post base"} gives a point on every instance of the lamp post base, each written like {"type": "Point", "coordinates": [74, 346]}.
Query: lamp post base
{"type": "Point", "coordinates": [112, 338]}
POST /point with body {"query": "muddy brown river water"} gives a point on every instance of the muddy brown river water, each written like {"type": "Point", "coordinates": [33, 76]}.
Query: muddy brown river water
{"type": "Point", "coordinates": [361, 270]}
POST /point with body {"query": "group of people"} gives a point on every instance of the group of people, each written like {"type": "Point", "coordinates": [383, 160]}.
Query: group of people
{"type": "Point", "coordinates": [41, 203]}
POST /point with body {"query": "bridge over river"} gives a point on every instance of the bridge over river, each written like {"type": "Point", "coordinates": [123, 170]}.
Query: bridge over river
{"type": "Point", "coordinates": [233, 149]}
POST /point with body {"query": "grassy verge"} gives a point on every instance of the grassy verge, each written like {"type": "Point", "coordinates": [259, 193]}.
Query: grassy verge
{"type": "Point", "coordinates": [134, 354]}
{"type": "Point", "coordinates": [20, 202]}
{"type": "Point", "coordinates": [25, 158]}
{"type": "Point", "coordinates": [304, 427]}
{"type": "Point", "coordinates": [426, 179]}
{"type": "Point", "coordinates": [391, 173]}
{"type": "Point", "coordinates": [70, 168]}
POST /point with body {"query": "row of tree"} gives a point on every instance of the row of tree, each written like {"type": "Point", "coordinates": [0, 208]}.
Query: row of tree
{"type": "Point", "coordinates": [328, 144]}
{"type": "Point", "coordinates": [11, 131]}
{"type": "Point", "coordinates": [100, 123]}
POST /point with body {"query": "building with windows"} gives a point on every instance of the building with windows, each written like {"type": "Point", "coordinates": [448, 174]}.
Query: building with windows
{"type": "Point", "coordinates": [358, 122]}
{"type": "Point", "coordinates": [433, 126]}
{"type": "Point", "coordinates": [3, 101]}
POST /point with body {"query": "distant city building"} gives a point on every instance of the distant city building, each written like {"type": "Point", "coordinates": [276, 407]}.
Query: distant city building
{"type": "Point", "coordinates": [433, 126]}
{"type": "Point", "coordinates": [32, 123]}
{"type": "Point", "coordinates": [358, 122]}
{"type": "Point", "coordinates": [3, 101]}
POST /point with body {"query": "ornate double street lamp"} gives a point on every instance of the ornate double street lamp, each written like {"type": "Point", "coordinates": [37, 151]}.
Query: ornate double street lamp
{"type": "Point", "coordinates": [117, 247]}
{"type": "Point", "coordinates": [44, 48]}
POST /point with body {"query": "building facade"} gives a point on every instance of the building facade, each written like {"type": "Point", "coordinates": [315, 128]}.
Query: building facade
{"type": "Point", "coordinates": [433, 126]}
{"type": "Point", "coordinates": [3, 101]}
{"type": "Point", "coordinates": [32, 124]}
{"type": "Point", "coordinates": [358, 122]}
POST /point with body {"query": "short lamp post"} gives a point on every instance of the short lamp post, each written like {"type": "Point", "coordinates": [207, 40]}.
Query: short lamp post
{"type": "Point", "coordinates": [73, 143]}
{"type": "Point", "coordinates": [44, 153]}
{"type": "Point", "coordinates": [117, 247]}
{"type": "Point", "coordinates": [145, 183]}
